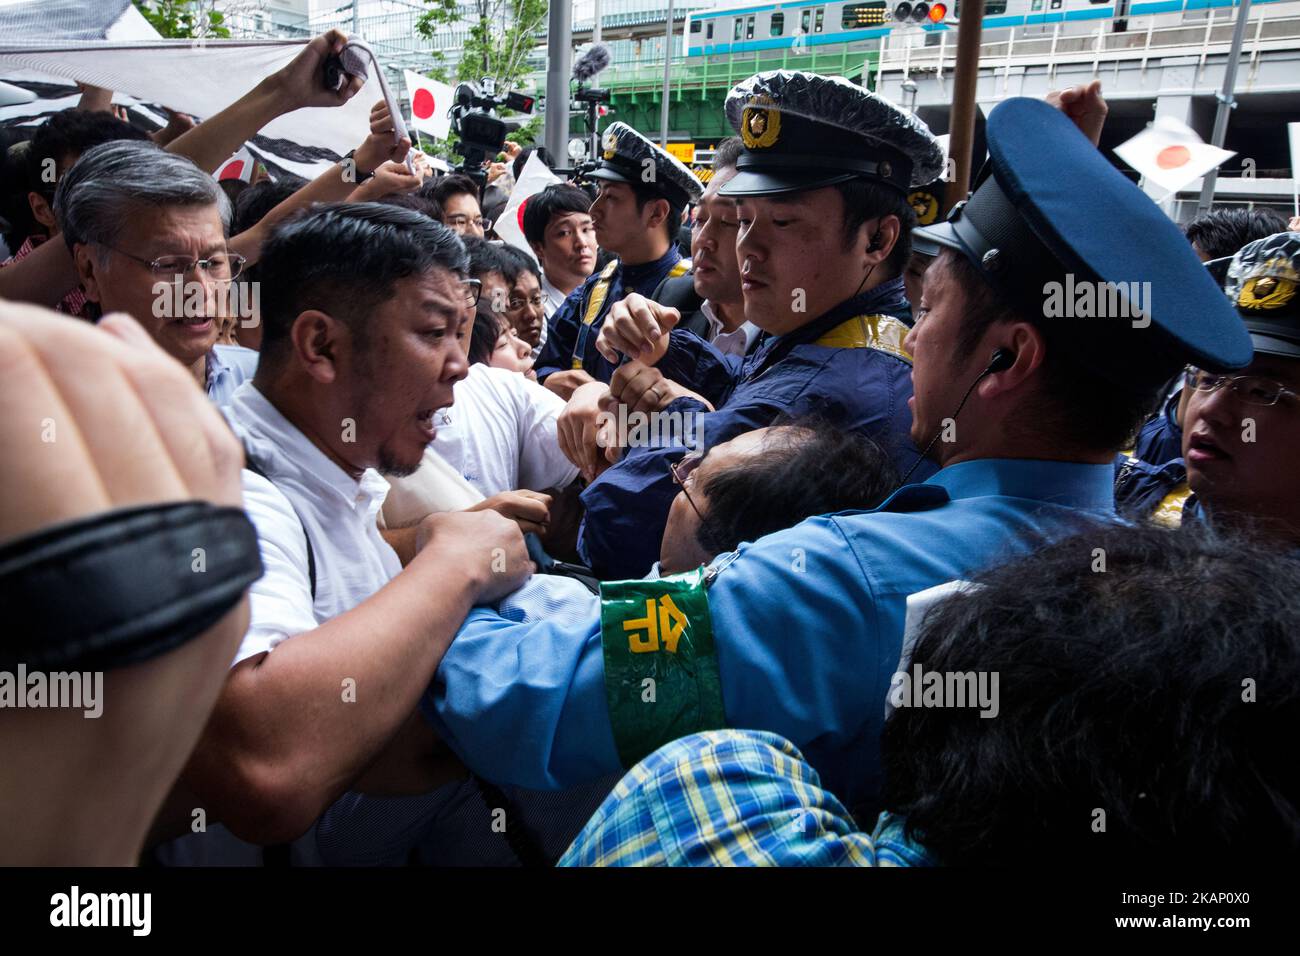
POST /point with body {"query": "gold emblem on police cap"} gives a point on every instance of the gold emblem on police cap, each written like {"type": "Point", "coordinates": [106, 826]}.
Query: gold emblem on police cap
{"type": "Point", "coordinates": [759, 125]}
{"type": "Point", "coordinates": [1267, 291]}
{"type": "Point", "coordinates": [925, 206]}
{"type": "Point", "coordinates": [611, 144]}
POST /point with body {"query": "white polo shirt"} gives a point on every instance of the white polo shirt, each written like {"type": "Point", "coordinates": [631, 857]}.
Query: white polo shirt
{"type": "Point", "coordinates": [308, 494]}
{"type": "Point", "coordinates": [500, 433]}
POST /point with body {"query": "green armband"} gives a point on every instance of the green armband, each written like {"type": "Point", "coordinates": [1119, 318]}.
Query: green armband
{"type": "Point", "coordinates": [661, 670]}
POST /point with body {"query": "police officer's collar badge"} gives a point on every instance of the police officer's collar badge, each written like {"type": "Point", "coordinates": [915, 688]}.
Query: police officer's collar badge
{"type": "Point", "coordinates": [805, 131]}
{"type": "Point", "coordinates": [628, 157]}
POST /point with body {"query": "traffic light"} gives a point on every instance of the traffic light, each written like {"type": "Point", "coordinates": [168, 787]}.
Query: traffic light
{"type": "Point", "coordinates": [937, 12]}
{"type": "Point", "coordinates": [918, 12]}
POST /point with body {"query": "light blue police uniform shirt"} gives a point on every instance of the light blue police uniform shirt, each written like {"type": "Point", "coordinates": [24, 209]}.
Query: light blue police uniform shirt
{"type": "Point", "coordinates": [228, 367]}
{"type": "Point", "coordinates": [807, 625]}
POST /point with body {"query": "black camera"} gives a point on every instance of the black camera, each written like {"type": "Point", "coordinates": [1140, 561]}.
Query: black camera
{"type": "Point", "coordinates": [481, 133]}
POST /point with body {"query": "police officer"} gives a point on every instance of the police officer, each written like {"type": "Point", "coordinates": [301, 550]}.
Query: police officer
{"type": "Point", "coordinates": [800, 632]}
{"type": "Point", "coordinates": [821, 199]}
{"type": "Point", "coordinates": [643, 191]}
{"type": "Point", "coordinates": [1241, 431]}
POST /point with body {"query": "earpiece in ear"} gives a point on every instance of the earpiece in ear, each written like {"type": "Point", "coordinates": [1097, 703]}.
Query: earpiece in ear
{"type": "Point", "coordinates": [875, 243]}
{"type": "Point", "coordinates": [1001, 360]}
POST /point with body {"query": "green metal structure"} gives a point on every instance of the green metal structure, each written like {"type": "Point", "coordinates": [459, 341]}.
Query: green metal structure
{"type": "Point", "coordinates": [699, 86]}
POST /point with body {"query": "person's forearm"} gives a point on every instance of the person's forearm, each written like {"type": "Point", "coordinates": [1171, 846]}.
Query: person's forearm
{"type": "Point", "coordinates": [44, 277]}
{"type": "Point", "coordinates": [212, 142]}
{"type": "Point", "coordinates": [294, 729]}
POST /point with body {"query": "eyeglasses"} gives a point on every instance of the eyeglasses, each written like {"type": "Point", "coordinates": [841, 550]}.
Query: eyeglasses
{"type": "Point", "coordinates": [473, 289]}
{"type": "Point", "coordinates": [221, 267]}
{"type": "Point", "coordinates": [461, 221]}
{"type": "Point", "coordinates": [518, 302]}
{"type": "Point", "coordinates": [1251, 389]}
{"type": "Point", "coordinates": [682, 471]}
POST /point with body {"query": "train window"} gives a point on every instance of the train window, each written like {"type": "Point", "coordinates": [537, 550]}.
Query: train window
{"type": "Point", "coordinates": [855, 16]}
{"type": "Point", "coordinates": [994, 8]}
{"type": "Point", "coordinates": [1056, 4]}
{"type": "Point", "coordinates": [695, 26]}
{"type": "Point", "coordinates": [708, 30]}
{"type": "Point", "coordinates": [778, 25]}
{"type": "Point", "coordinates": [821, 17]}
{"type": "Point", "coordinates": [805, 22]}
{"type": "Point", "coordinates": [1037, 5]}
{"type": "Point", "coordinates": [749, 28]}
{"type": "Point", "coordinates": [739, 28]}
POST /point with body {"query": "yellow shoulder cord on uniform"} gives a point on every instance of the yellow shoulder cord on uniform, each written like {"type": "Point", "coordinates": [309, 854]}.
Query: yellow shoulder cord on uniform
{"type": "Point", "coordinates": [683, 266]}
{"type": "Point", "coordinates": [881, 332]}
{"type": "Point", "coordinates": [594, 303]}
{"type": "Point", "coordinates": [1169, 513]}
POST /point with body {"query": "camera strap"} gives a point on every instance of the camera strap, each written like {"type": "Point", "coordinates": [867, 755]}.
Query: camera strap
{"type": "Point", "coordinates": [123, 586]}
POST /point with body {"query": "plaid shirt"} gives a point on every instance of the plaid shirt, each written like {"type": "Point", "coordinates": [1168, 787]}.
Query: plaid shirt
{"type": "Point", "coordinates": [732, 798]}
{"type": "Point", "coordinates": [75, 302]}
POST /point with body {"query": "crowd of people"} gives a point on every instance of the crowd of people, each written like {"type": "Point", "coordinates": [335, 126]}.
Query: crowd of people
{"type": "Point", "coordinates": [807, 536]}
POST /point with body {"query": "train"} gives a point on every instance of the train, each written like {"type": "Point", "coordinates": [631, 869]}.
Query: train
{"type": "Point", "coordinates": [803, 24]}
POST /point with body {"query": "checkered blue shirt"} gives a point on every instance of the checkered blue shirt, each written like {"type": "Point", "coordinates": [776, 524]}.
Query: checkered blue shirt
{"type": "Point", "coordinates": [732, 798]}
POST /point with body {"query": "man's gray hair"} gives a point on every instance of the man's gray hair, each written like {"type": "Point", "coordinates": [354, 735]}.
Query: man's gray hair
{"type": "Point", "coordinates": [98, 194]}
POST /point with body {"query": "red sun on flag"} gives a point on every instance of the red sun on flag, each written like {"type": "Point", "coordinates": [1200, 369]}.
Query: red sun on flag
{"type": "Point", "coordinates": [1171, 157]}
{"type": "Point", "coordinates": [422, 104]}
{"type": "Point", "coordinates": [520, 213]}
{"type": "Point", "coordinates": [232, 170]}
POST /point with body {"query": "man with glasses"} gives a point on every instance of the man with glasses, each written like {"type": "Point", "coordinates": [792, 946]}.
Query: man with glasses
{"type": "Point", "coordinates": [1241, 431]}
{"type": "Point", "coordinates": [800, 631]}
{"type": "Point", "coordinates": [147, 229]}
{"type": "Point", "coordinates": [458, 197]}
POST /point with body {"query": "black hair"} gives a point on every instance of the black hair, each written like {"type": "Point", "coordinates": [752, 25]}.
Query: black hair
{"type": "Point", "coordinates": [69, 132]}
{"type": "Point", "coordinates": [416, 202]}
{"type": "Point", "coordinates": [1094, 415]}
{"type": "Point", "coordinates": [260, 198]}
{"type": "Point", "coordinates": [648, 192]}
{"type": "Point", "coordinates": [484, 256]}
{"type": "Point", "coordinates": [483, 338]}
{"type": "Point", "coordinates": [865, 200]}
{"type": "Point", "coordinates": [517, 166]}
{"type": "Point", "coordinates": [1221, 232]}
{"type": "Point", "coordinates": [344, 259]}
{"type": "Point", "coordinates": [514, 262]}
{"type": "Point", "coordinates": [555, 200]}
{"type": "Point", "coordinates": [727, 153]}
{"type": "Point", "coordinates": [807, 467]}
{"type": "Point", "coordinates": [455, 184]}
{"type": "Point", "coordinates": [1162, 691]}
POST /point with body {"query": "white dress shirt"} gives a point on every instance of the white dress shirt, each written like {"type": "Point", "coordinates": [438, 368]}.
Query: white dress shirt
{"type": "Point", "coordinates": [735, 342]}
{"type": "Point", "coordinates": [501, 433]}
{"type": "Point", "coordinates": [308, 494]}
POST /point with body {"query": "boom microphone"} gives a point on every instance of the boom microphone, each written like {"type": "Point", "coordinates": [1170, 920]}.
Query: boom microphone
{"type": "Point", "coordinates": [591, 63]}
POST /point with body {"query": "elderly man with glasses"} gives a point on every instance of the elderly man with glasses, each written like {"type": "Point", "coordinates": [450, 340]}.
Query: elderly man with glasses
{"type": "Point", "coordinates": [147, 229]}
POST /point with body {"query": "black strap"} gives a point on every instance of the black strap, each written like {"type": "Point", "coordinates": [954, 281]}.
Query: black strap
{"type": "Point", "coordinates": [256, 469]}
{"type": "Point", "coordinates": [123, 586]}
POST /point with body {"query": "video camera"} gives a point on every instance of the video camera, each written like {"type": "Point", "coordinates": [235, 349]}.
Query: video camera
{"type": "Point", "coordinates": [481, 133]}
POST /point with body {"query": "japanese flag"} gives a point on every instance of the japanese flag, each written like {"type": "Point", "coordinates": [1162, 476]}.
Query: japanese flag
{"type": "Point", "coordinates": [430, 101]}
{"type": "Point", "coordinates": [1170, 154]}
{"type": "Point", "coordinates": [240, 166]}
{"type": "Point", "coordinates": [533, 178]}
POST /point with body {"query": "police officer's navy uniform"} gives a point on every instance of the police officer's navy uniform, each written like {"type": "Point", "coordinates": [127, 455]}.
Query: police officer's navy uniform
{"type": "Point", "coordinates": [800, 132]}
{"type": "Point", "coordinates": [799, 633]}
{"type": "Point", "coordinates": [573, 329]}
